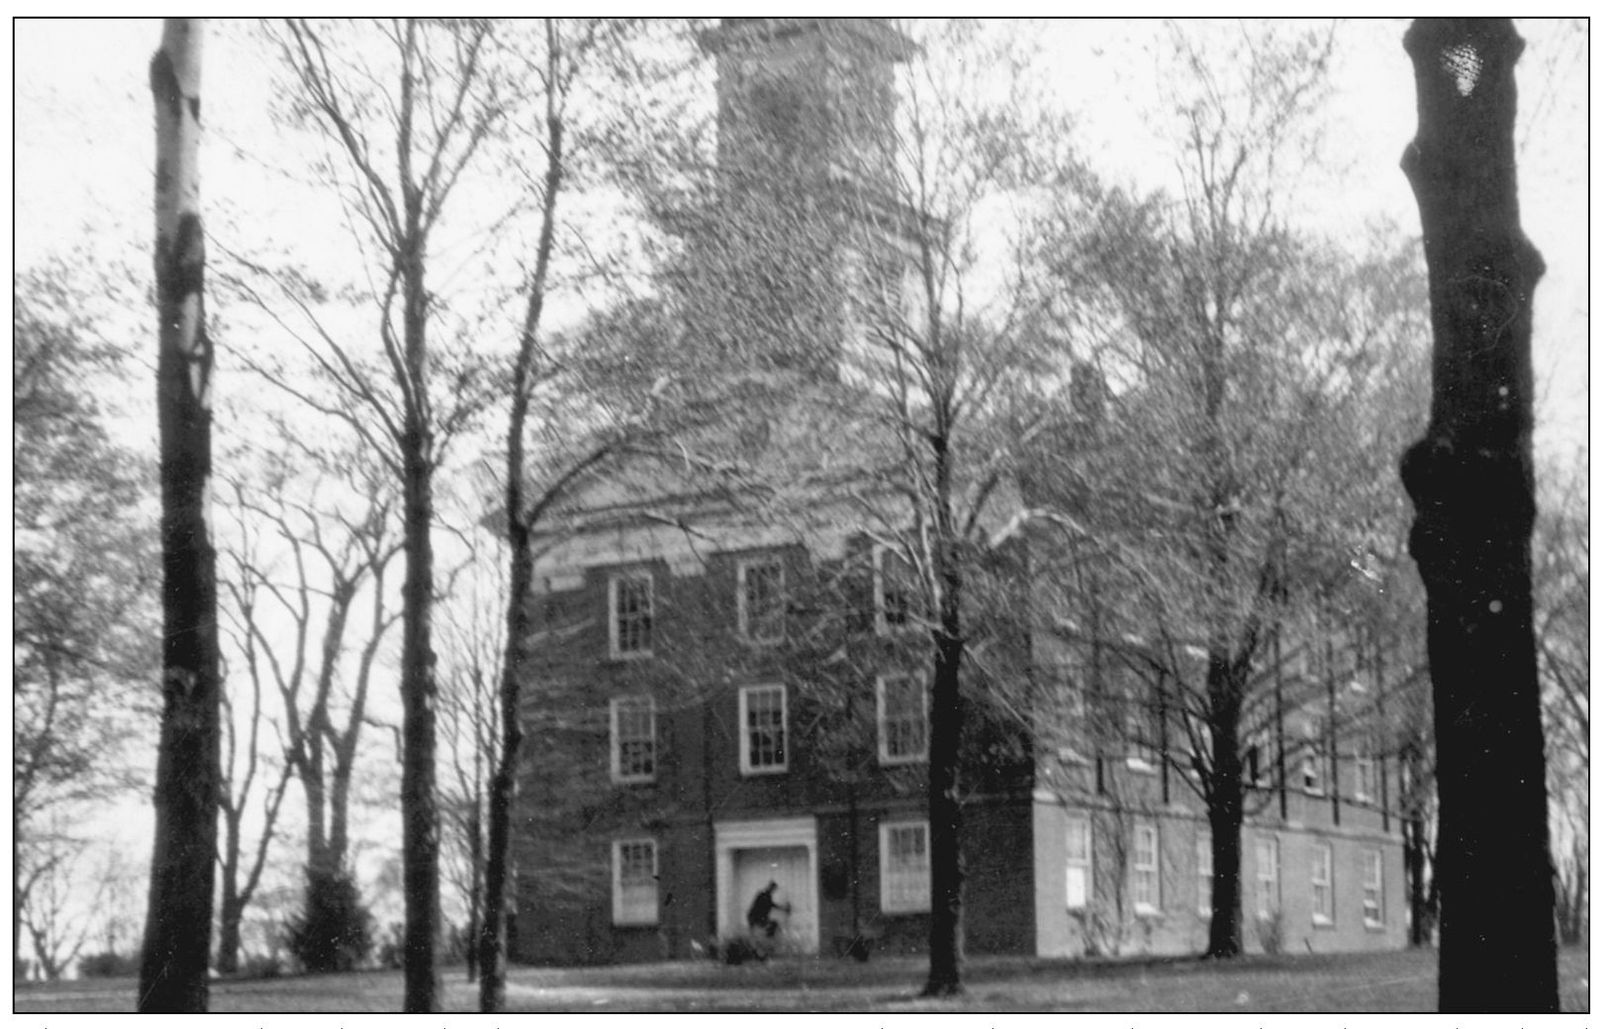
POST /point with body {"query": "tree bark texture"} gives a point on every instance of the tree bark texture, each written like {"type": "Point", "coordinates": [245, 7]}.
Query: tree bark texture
{"type": "Point", "coordinates": [1224, 795]}
{"type": "Point", "coordinates": [421, 822]}
{"type": "Point", "coordinates": [179, 919]}
{"type": "Point", "coordinates": [1471, 480]}
{"type": "Point", "coordinates": [422, 842]}
{"type": "Point", "coordinates": [945, 740]}
{"type": "Point", "coordinates": [945, 823]}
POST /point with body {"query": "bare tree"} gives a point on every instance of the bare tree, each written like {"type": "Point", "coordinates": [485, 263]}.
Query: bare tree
{"type": "Point", "coordinates": [173, 967]}
{"type": "Point", "coordinates": [1562, 590]}
{"type": "Point", "coordinates": [407, 111]}
{"type": "Point", "coordinates": [473, 644]}
{"type": "Point", "coordinates": [1239, 420]}
{"type": "Point", "coordinates": [239, 769]}
{"type": "Point", "coordinates": [57, 920]}
{"type": "Point", "coordinates": [1471, 479]}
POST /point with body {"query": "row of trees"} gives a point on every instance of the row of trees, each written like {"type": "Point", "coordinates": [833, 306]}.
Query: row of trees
{"type": "Point", "coordinates": [1187, 404]}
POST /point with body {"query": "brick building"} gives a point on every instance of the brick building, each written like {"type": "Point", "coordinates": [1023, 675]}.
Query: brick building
{"type": "Point", "coordinates": [721, 697]}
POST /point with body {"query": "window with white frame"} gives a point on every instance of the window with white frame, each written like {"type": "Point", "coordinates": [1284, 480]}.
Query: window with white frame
{"type": "Point", "coordinates": [632, 614]}
{"type": "Point", "coordinates": [1321, 882]}
{"type": "Point", "coordinates": [761, 600]}
{"type": "Point", "coordinates": [1261, 750]}
{"type": "Point", "coordinates": [1266, 873]}
{"type": "Point", "coordinates": [634, 882]}
{"type": "Point", "coordinates": [904, 867]}
{"type": "Point", "coordinates": [1077, 863]}
{"type": "Point", "coordinates": [1206, 875]}
{"type": "Point", "coordinates": [1365, 779]}
{"type": "Point", "coordinates": [1141, 732]}
{"type": "Point", "coordinates": [903, 713]}
{"type": "Point", "coordinates": [1311, 773]}
{"type": "Point", "coordinates": [632, 739]}
{"type": "Point", "coordinates": [1145, 869]}
{"type": "Point", "coordinates": [763, 729]}
{"type": "Point", "coordinates": [1371, 887]}
{"type": "Point", "coordinates": [892, 595]}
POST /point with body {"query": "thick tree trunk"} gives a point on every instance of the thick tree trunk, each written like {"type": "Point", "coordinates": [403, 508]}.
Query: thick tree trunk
{"type": "Point", "coordinates": [421, 842]}
{"type": "Point", "coordinates": [229, 902]}
{"type": "Point", "coordinates": [945, 739]}
{"type": "Point", "coordinates": [1471, 480]}
{"type": "Point", "coordinates": [501, 795]}
{"type": "Point", "coordinates": [179, 919]}
{"type": "Point", "coordinates": [945, 822]}
{"type": "Point", "coordinates": [313, 794]}
{"type": "Point", "coordinates": [1225, 803]}
{"type": "Point", "coordinates": [230, 911]}
{"type": "Point", "coordinates": [422, 984]}
{"type": "Point", "coordinates": [1421, 925]}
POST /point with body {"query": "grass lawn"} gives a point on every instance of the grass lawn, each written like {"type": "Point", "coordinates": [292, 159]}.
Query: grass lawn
{"type": "Point", "coordinates": [1394, 981]}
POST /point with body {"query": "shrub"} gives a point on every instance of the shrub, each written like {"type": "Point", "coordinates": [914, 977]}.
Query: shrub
{"type": "Point", "coordinates": [391, 949]}
{"type": "Point", "coordinates": [736, 950]}
{"type": "Point", "coordinates": [332, 932]}
{"type": "Point", "coordinates": [261, 966]}
{"type": "Point", "coordinates": [108, 964]}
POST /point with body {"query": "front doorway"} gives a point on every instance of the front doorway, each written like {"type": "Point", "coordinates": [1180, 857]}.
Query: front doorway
{"type": "Point", "coordinates": [749, 855]}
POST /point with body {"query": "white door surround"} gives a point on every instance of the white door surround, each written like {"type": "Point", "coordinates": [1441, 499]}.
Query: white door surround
{"type": "Point", "coordinates": [774, 834]}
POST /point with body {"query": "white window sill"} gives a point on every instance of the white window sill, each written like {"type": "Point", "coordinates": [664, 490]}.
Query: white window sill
{"type": "Point", "coordinates": [632, 780]}
{"type": "Point", "coordinates": [1136, 764]}
{"type": "Point", "coordinates": [888, 762]}
{"type": "Point", "coordinates": [1313, 791]}
{"type": "Point", "coordinates": [1375, 925]}
{"type": "Point", "coordinates": [1147, 911]}
{"type": "Point", "coordinates": [1321, 921]}
{"type": "Point", "coordinates": [780, 770]}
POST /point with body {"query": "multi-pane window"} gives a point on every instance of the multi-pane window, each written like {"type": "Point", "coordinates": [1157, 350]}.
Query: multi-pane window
{"type": "Point", "coordinates": [903, 709]}
{"type": "Point", "coordinates": [1371, 886]}
{"type": "Point", "coordinates": [1206, 875]}
{"type": "Point", "coordinates": [1145, 869]}
{"type": "Point", "coordinates": [1321, 883]}
{"type": "Point", "coordinates": [1265, 877]}
{"type": "Point", "coordinates": [634, 892]}
{"type": "Point", "coordinates": [1310, 770]}
{"type": "Point", "coordinates": [1365, 779]}
{"type": "Point", "coordinates": [892, 596]}
{"type": "Point", "coordinates": [761, 600]}
{"type": "Point", "coordinates": [632, 739]}
{"type": "Point", "coordinates": [632, 614]}
{"type": "Point", "coordinates": [1141, 732]}
{"type": "Point", "coordinates": [763, 729]}
{"type": "Point", "coordinates": [1077, 864]}
{"type": "Point", "coordinates": [904, 866]}
{"type": "Point", "coordinates": [1261, 751]}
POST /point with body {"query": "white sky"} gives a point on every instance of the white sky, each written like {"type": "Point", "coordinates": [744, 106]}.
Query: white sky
{"type": "Point", "coordinates": [84, 150]}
